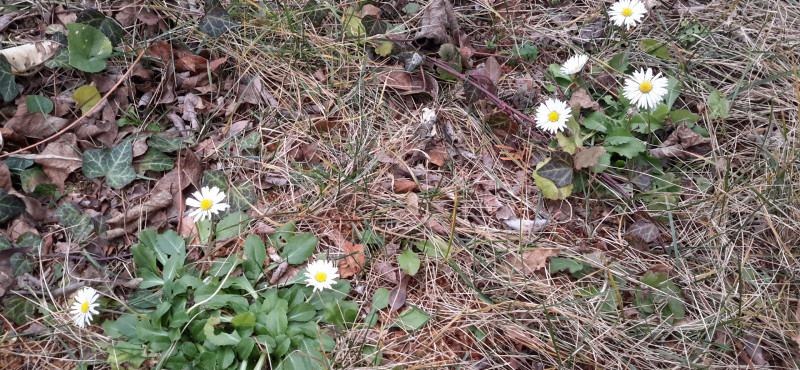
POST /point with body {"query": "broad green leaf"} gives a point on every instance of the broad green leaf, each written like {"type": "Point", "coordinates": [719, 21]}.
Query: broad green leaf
{"type": "Point", "coordinates": [341, 313]}
{"type": "Point", "coordinates": [154, 160]}
{"type": "Point", "coordinates": [20, 264]}
{"type": "Point", "coordinates": [596, 121]}
{"type": "Point", "coordinates": [352, 25]}
{"type": "Point", "coordinates": [8, 86]}
{"type": "Point", "coordinates": [558, 169]}
{"type": "Point", "coordinates": [108, 26]}
{"type": "Point", "coordinates": [167, 144]}
{"type": "Point", "coordinates": [567, 143]}
{"type": "Point", "coordinates": [221, 339]}
{"type": "Point", "coordinates": [245, 347]}
{"type": "Point", "coordinates": [77, 222]}
{"type": "Point", "coordinates": [276, 322]}
{"type": "Point", "coordinates": [373, 26]}
{"type": "Point", "coordinates": [548, 188]}
{"type": "Point", "coordinates": [411, 319]}
{"type": "Point", "coordinates": [299, 248]}
{"type": "Point", "coordinates": [171, 244]}
{"type": "Point", "coordinates": [114, 164]}
{"type": "Point", "coordinates": [411, 8]}
{"type": "Point", "coordinates": [384, 48]}
{"type": "Point", "coordinates": [302, 312]}
{"type": "Point", "coordinates": [86, 97]}
{"type": "Point", "coordinates": [718, 104]}
{"type": "Point", "coordinates": [5, 243]}
{"type": "Point", "coordinates": [17, 164]}
{"type": "Point", "coordinates": [38, 104]}
{"type": "Point", "coordinates": [216, 178]}
{"type": "Point", "coordinates": [619, 62]}
{"type": "Point", "coordinates": [247, 319]}
{"type": "Point", "coordinates": [578, 269]}
{"type": "Point", "coordinates": [10, 206]}
{"type": "Point", "coordinates": [18, 309]}
{"type": "Point", "coordinates": [435, 247]}
{"type": "Point", "coordinates": [88, 47]}
{"type": "Point", "coordinates": [655, 48]}
{"type": "Point", "coordinates": [409, 261]}
{"type": "Point", "coordinates": [231, 225]}
{"type": "Point", "coordinates": [646, 122]}
{"type": "Point", "coordinates": [380, 299]}
{"type": "Point", "coordinates": [682, 115]}
{"type": "Point", "coordinates": [621, 141]}
{"type": "Point", "coordinates": [29, 239]}
{"type": "Point", "coordinates": [256, 254]}
{"type": "Point", "coordinates": [217, 21]}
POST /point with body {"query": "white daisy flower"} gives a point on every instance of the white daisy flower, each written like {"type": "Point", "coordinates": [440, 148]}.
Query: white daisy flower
{"type": "Point", "coordinates": [574, 64]}
{"type": "Point", "coordinates": [645, 90]}
{"type": "Point", "coordinates": [321, 274]}
{"type": "Point", "coordinates": [552, 116]}
{"type": "Point", "coordinates": [84, 307]}
{"type": "Point", "coordinates": [627, 13]}
{"type": "Point", "coordinates": [208, 201]}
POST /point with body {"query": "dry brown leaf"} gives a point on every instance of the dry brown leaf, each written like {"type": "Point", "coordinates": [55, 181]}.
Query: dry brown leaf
{"type": "Point", "coordinates": [24, 57]}
{"type": "Point", "coordinates": [371, 10]}
{"type": "Point", "coordinates": [437, 155]}
{"type": "Point", "coordinates": [683, 143]}
{"type": "Point", "coordinates": [534, 260]}
{"type": "Point", "coordinates": [161, 50]}
{"type": "Point", "coordinates": [191, 63]}
{"type": "Point", "coordinates": [355, 258]}
{"type": "Point", "coordinates": [404, 186]}
{"type": "Point", "coordinates": [588, 157]}
{"type": "Point", "coordinates": [408, 84]}
{"type": "Point", "coordinates": [189, 228]}
{"type": "Point", "coordinates": [582, 99]}
{"type": "Point", "coordinates": [5, 176]}
{"type": "Point", "coordinates": [59, 159]}
{"type": "Point", "coordinates": [34, 125]}
{"type": "Point", "coordinates": [397, 296]}
{"type": "Point", "coordinates": [438, 23]}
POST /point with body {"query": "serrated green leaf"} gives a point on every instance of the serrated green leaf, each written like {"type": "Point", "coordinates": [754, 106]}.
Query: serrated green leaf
{"type": "Point", "coordinates": [20, 264]}
{"type": "Point", "coordinates": [38, 104]}
{"type": "Point", "coordinates": [114, 164]}
{"type": "Point", "coordinates": [8, 85]}
{"type": "Point", "coordinates": [18, 309]}
{"type": "Point", "coordinates": [108, 26]}
{"type": "Point", "coordinates": [217, 21]}
{"type": "Point", "coordinates": [558, 169]}
{"type": "Point", "coordinates": [231, 225]}
{"type": "Point", "coordinates": [88, 47]}
{"type": "Point", "coordinates": [10, 206]}
{"type": "Point", "coordinates": [409, 261]}
{"type": "Point", "coordinates": [299, 248]}
{"type": "Point", "coordinates": [621, 141]}
{"type": "Point", "coordinates": [154, 160]}
{"type": "Point", "coordinates": [86, 97]}
{"type": "Point", "coordinates": [548, 188]}
{"type": "Point", "coordinates": [78, 223]}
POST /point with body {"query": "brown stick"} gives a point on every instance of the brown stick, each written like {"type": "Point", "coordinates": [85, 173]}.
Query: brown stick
{"type": "Point", "coordinates": [77, 121]}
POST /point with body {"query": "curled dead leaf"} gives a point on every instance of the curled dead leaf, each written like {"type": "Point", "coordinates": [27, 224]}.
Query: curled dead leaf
{"type": "Point", "coordinates": [534, 260]}
{"type": "Point", "coordinates": [683, 143]}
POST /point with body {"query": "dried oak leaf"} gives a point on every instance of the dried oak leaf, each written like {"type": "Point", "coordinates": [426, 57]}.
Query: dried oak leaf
{"type": "Point", "coordinates": [683, 143]}
{"type": "Point", "coordinates": [355, 258]}
{"type": "Point", "coordinates": [588, 157]}
{"type": "Point", "coordinates": [582, 99]}
{"type": "Point", "coordinates": [59, 159]}
{"type": "Point", "coordinates": [404, 186]}
{"type": "Point", "coordinates": [534, 260]}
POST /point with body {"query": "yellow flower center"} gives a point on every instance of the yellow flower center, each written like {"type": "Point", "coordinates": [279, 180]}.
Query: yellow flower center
{"type": "Point", "coordinates": [205, 204]}
{"type": "Point", "coordinates": [627, 12]}
{"type": "Point", "coordinates": [645, 87]}
{"type": "Point", "coordinates": [321, 277]}
{"type": "Point", "coordinates": [553, 116]}
{"type": "Point", "coordinates": [85, 307]}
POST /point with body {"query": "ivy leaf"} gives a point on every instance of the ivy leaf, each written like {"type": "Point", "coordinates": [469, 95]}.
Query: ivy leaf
{"type": "Point", "coordinates": [166, 144]}
{"type": "Point", "coordinates": [113, 163]}
{"type": "Point", "coordinates": [32, 177]}
{"type": "Point", "coordinates": [409, 261]}
{"type": "Point", "coordinates": [558, 169]}
{"type": "Point", "coordinates": [10, 206]}
{"type": "Point", "coordinates": [548, 187]}
{"type": "Point", "coordinates": [20, 264]}
{"type": "Point", "coordinates": [18, 309]}
{"type": "Point", "coordinates": [8, 87]}
{"type": "Point", "coordinates": [38, 104]}
{"type": "Point", "coordinates": [372, 25]}
{"type": "Point", "coordinates": [78, 222]}
{"type": "Point", "coordinates": [61, 57]}
{"type": "Point", "coordinates": [88, 47]}
{"type": "Point", "coordinates": [216, 178]}
{"type": "Point", "coordinates": [108, 26]}
{"type": "Point", "coordinates": [217, 21]}
{"type": "Point", "coordinates": [86, 97]}
{"type": "Point", "coordinates": [242, 197]}
{"type": "Point", "coordinates": [154, 160]}
{"type": "Point", "coordinates": [644, 229]}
